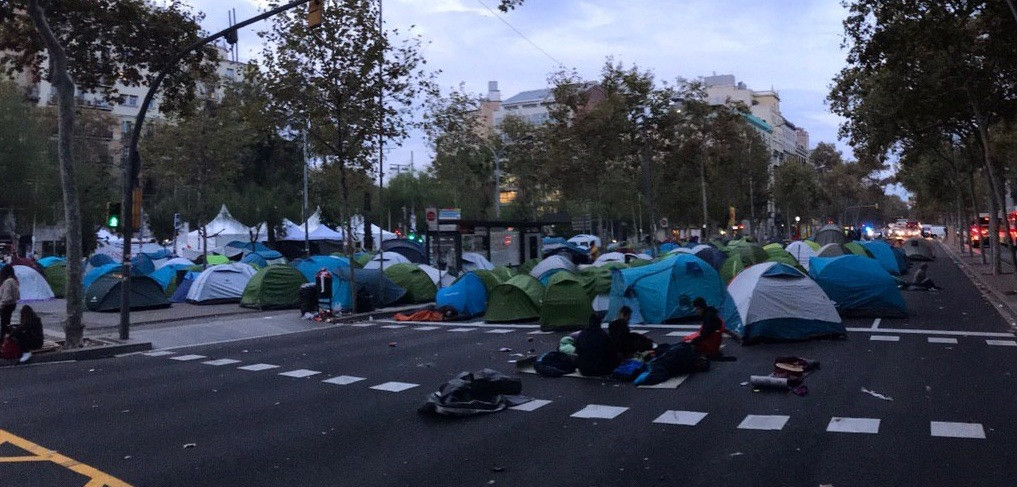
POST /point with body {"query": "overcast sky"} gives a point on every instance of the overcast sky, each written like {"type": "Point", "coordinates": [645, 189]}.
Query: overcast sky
{"type": "Point", "coordinates": [791, 46]}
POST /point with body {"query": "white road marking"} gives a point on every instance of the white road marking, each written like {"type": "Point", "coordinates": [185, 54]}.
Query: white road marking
{"type": "Point", "coordinates": [538, 332]}
{"type": "Point", "coordinates": [300, 373]}
{"type": "Point", "coordinates": [426, 328]}
{"type": "Point", "coordinates": [500, 331]}
{"type": "Point", "coordinates": [362, 325]}
{"type": "Point", "coordinates": [680, 333]}
{"type": "Point", "coordinates": [950, 341]}
{"type": "Point", "coordinates": [532, 405]}
{"type": "Point", "coordinates": [393, 327]}
{"type": "Point", "coordinates": [258, 367]}
{"type": "Point", "coordinates": [683, 418]}
{"type": "Point", "coordinates": [641, 332]}
{"type": "Point", "coordinates": [596, 411]}
{"type": "Point", "coordinates": [222, 361]}
{"type": "Point", "coordinates": [957, 430]}
{"type": "Point", "coordinates": [159, 353]}
{"type": "Point", "coordinates": [875, 323]}
{"type": "Point", "coordinates": [1002, 343]}
{"type": "Point", "coordinates": [884, 338]}
{"type": "Point", "coordinates": [853, 425]}
{"type": "Point", "coordinates": [934, 332]}
{"type": "Point", "coordinates": [184, 358]}
{"type": "Point", "coordinates": [764, 422]}
{"type": "Point", "coordinates": [461, 329]}
{"type": "Point", "coordinates": [394, 386]}
{"type": "Point", "coordinates": [344, 380]}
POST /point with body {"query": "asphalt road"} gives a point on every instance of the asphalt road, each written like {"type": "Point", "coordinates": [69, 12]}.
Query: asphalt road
{"type": "Point", "coordinates": [131, 417]}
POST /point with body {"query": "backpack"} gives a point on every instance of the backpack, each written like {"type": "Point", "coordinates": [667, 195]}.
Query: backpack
{"type": "Point", "coordinates": [554, 364]}
{"type": "Point", "coordinates": [10, 349]}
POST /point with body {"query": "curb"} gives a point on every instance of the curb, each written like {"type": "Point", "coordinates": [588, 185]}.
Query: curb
{"type": "Point", "coordinates": [91, 353]}
{"type": "Point", "coordinates": [996, 298]}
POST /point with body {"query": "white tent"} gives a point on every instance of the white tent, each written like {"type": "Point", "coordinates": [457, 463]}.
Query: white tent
{"type": "Point", "coordinates": [609, 257]}
{"type": "Point", "coordinates": [777, 301]}
{"type": "Point", "coordinates": [446, 279]}
{"type": "Point", "coordinates": [220, 284]}
{"type": "Point", "coordinates": [585, 241]}
{"type": "Point", "coordinates": [391, 258]}
{"type": "Point", "coordinates": [324, 233]}
{"type": "Point", "coordinates": [473, 261]}
{"type": "Point", "coordinates": [175, 261]}
{"type": "Point", "coordinates": [357, 222]}
{"type": "Point", "coordinates": [551, 263]}
{"type": "Point", "coordinates": [222, 230]}
{"type": "Point", "coordinates": [802, 252]}
{"type": "Point", "coordinates": [291, 231]}
{"type": "Point", "coordinates": [33, 285]}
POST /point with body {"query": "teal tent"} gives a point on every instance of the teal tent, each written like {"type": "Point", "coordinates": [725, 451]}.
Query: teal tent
{"type": "Point", "coordinates": [859, 285]}
{"type": "Point", "coordinates": [104, 294]}
{"type": "Point", "coordinates": [370, 283]}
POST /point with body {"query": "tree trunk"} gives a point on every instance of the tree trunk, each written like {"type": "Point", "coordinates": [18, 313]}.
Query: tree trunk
{"type": "Point", "coordinates": [61, 80]}
{"type": "Point", "coordinates": [974, 209]}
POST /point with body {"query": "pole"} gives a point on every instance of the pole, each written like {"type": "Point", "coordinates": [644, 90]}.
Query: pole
{"type": "Point", "coordinates": [303, 211]}
{"type": "Point", "coordinates": [381, 140]}
{"type": "Point", "coordinates": [497, 184]}
{"type": "Point", "coordinates": [133, 166]}
{"type": "Point", "coordinates": [702, 188]}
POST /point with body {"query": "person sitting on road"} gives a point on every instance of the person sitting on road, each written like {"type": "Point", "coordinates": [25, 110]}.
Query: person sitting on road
{"type": "Point", "coordinates": [595, 353]}
{"type": "Point", "coordinates": [28, 333]}
{"type": "Point", "coordinates": [922, 279]}
{"type": "Point", "coordinates": [707, 340]}
{"type": "Point", "coordinates": [625, 342]}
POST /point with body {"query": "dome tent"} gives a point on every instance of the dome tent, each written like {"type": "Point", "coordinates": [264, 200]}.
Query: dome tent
{"type": "Point", "coordinates": [778, 302]}
{"type": "Point", "coordinates": [418, 285]}
{"type": "Point", "coordinates": [220, 284]}
{"type": "Point", "coordinates": [802, 252]}
{"type": "Point", "coordinates": [859, 286]}
{"type": "Point", "coordinates": [552, 263]}
{"type": "Point", "coordinates": [856, 248]}
{"type": "Point", "coordinates": [467, 296]}
{"type": "Point", "coordinates": [830, 233]}
{"type": "Point", "coordinates": [882, 252]}
{"type": "Point", "coordinates": [567, 303]}
{"type": "Point", "coordinates": [383, 261]}
{"type": "Point", "coordinates": [368, 281]}
{"type": "Point", "coordinates": [517, 299]}
{"type": "Point", "coordinates": [473, 261]}
{"type": "Point", "coordinates": [104, 294]}
{"type": "Point", "coordinates": [276, 286]}
{"type": "Point", "coordinates": [832, 250]}
{"type": "Point", "coordinates": [33, 285]}
{"type": "Point", "coordinates": [310, 266]}
{"type": "Point", "coordinates": [56, 277]}
{"type": "Point", "coordinates": [413, 251]}
{"type": "Point", "coordinates": [665, 290]}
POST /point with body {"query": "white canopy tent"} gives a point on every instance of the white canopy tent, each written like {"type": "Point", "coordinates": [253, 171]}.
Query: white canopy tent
{"type": "Point", "coordinates": [222, 230]}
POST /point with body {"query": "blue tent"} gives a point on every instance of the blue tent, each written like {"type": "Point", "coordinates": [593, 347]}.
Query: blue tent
{"type": "Point", "coordinates": [713, 256]}
{"type": "Point", "coordinates": [48, 261]}
{"type": "Point", "coordinates": [142, 265]}
{"type": "Point", "coordinates": [368, 280]}
{"type": "Point", "coordinates": [902, 260]}
{"type": "Point", "coordinates": [158, 254]}
{"type": "Point", "coordinates": [664, 290]}
{"type": "Point", "coordinates": [546, 277]}
{"type": "Point", "coordinates": [310, 266]}
{"type": "Point", "coordinates": [255, 259]}
{"type": "Point", "coordinates": [884, 254]}
{"type": "Point", "coordinates": [167, 273]}
{"type": "Point", "coordinates": [859, 285]}
{"type": "Point", "coordinates": [99, 260]}
{"type": "Point", "coordinates": [98, 272]}
{"type": "Point", "coordinates": [180, 295]}
{"type": "Point", "coordinates": [248, 246]}
{"type": "Point", "coordinates": [668, 246]}
{"type": "Point", "coordinates": [413, 251]}
{"type": "Point", "coordinates": [467, 296]}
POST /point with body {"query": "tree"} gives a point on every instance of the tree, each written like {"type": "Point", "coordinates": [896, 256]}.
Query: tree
{"type": "Point", "coordinates": [91, 43]}
{"type": "Point", "coordinates": [796, 190]}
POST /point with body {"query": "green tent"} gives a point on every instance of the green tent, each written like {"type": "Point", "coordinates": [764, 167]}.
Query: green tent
{"type": "Point", "coordinates": [858, 249]}
{"type": "Point", "coordinates": [275, 286]}
{"type": "Point", "coordinates": [784, 257]}
{"type": "Point", "coordinates": [812, 243]}
{"type": "Point", "coordinates": [362, 258]}
{"type": "Point", "coordinates": [598, 279]}
{"type": "Point", "coordinates": [731, 267]}
{"type": "Point", "coordinates": [567, 303]}
{"type": "Point", "coordinates": [56, 277]}
{"type": "Point", "coordinates": [503, 273]}
{"type": "Point", "coordinates": [418, 285]}
{"type": "Point", "coordinates": [528, 266]}
{"type": "Point", "coordinates": [771, 246]}
{"type": "Point", "coordinates": [749, 253]}
{"type": "Point", "coordinates": [516, 300]}
{"type": "Point", "coordinates": [104, 293]}
{"type": "Point", "coordinates": [213, 259]}
{"type": "Point", "coordinates": [489, 277]}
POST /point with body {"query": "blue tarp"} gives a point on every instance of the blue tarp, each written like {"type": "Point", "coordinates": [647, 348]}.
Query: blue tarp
{"type": "Point", "coordinates": [665, 290]}
{"type": "Point", "coordinates": [468, 296]}
{"type": "Point", "coordinates": [902, 260]}
{"type": "Point", "coordinates": [884, 254]}
{"type": "Point", "coordinates": [310, 266]}
{"type": "Point", "coordinates": [367, 280]}
{"type": "Point", "coordinates": [859, 285]}
{"type": "Point", "coordinates": [98, 272]}
{"type": "Point", "coordinates": [48, 261]}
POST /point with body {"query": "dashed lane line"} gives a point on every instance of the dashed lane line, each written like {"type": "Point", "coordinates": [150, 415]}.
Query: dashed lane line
{"type": "Point", "coordinates": [944, 340]}
{"type": "Point", "coordinates": [957, 430]}
{"type": "Point", "coordinates": [1002, 343]}
{"type": "Point", "coordinates": [344, 380]}
{"type": "Point", "coordinates": [884, 338]}
{"type": "Point", "coordinates": [680, 418]}
{"type": "Point", "coordinates": [853, 425]}
{"type": "Point", "coordinates": [597, 411]}
{"type": "Point", "coordinates": [394, 386]}
{"type": "Point", "coordinates": [934, 332]}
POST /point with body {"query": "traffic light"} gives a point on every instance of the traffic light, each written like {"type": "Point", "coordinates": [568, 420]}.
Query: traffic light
{"type": "Point", "coordinates": [315, 9]}
{"type": "Point", "coordinates": [113, 215]}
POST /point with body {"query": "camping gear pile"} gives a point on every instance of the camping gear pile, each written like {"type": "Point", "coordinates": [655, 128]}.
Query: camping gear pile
{"type": "Point", "coordinates": [473, 393]}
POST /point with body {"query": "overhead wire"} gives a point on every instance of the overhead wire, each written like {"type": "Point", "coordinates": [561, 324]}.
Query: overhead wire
{"type": "Point", "coordinates": [527, 39]}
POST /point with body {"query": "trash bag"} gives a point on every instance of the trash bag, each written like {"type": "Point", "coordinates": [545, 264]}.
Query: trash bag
{"type": "Point", "coordinates": [554, 364]}
{"type": "Point", "coordinates": [472, 393]}
{"type": "Point", "coordinates": [628, 370]}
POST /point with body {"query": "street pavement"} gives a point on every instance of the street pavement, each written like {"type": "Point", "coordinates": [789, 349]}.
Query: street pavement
{"type": "Point", "coordinates": [338, 406]}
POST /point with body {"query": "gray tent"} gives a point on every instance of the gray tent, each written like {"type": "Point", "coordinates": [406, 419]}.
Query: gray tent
{"type": "Point", "coordinates": [916, 248]}
{"type": "Point", "coordinates": [830, 233]}
{"type": "Point", "coordinates": [223, 283]}
{"type": "Point", "coordinates": [832, 250]}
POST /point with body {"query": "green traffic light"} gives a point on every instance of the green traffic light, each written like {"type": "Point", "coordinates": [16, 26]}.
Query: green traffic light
{"type": "Point", "coordinates": [113, 222]}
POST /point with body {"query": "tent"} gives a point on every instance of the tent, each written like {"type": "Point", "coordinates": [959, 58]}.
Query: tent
{"type": "Point", "coordinates": [99, 260]}
{"type": "Point", "coordinates": [778, 254]}
{"type": "Point", "coordinates": [324, 233]}
{"type": "Point", "coordinates": [802, 252]}
{"type": "Point", "coordinates": [362, 258]}
{"type": "Point", "coordinates": [212, 259]}
{"type": "Point", "coordinates": [262, 258]}
{"type": "Point", "coordinates": [104, 294]}
{"type": "Point", "coordinates": [248, 247]}
{"type": "Point", "coordinates": [440, 279]}
{"type": "Point", "coordinates": [883, 253]}
{"type": "Point", "coordinates": [167, 275]}
{"type": "Point", "coordinates": [175, 261]}
{"type": "Point", "coordinates": [860, 286]}
{"type": "Point", "coordinates": [467, 296]}
{"type": "Point", "coordinates": [412, 251]}
{"type": "Point", "coordinates": [856, 248]}
{"type": "Point", "coordinates": [33, 285]}
{"type": "Point", "coordinates": [770, 246]}
{"type": "Point", "coordinates": [775, 301]}
{"type": "Point", "coordinates": [830, 233]}
{"type": "Point", "coordinates": [368, 281]}
{"type": "Point", "coordinates": [665, 290]}
{"type": "Point", "coordinates": [552, 263]}
{"type": "Point", "coordinates": [24, 261]}
{"type": "Point", "coordinates": [310, 266]}
{"type": "Point", "coordinates": [56, 277]}
{"type": "Point", "coordinates": [711, 255]}
{"type": "Point", "coordinates": [491, 278]}
{"type": "Point", "coordinates": [48, 261]}
{"type": "Point", "coordinates": [527, 266]}
{"type": "Point", "coordinates": [222, 230]}
{"type": "Point", "coordinates": [832, 250]}
{"type": "Point", "coordinates": [254, 259]}
{"type": "Point", "coordinates": [813, 244]}
{"type": "Point", "coordinates": [276, 286]}
{"type": "Point", "coordinates": [903, 263]}
{"type": "Point", "coordinates": [220, 284]}
{"type": "Point", "coordinates": [383, 261]}
{"type": "Point", "coordinates": [180, 294]}
{"type": "Point", "coordinates": [609, 257]}
{"type": "Point", "coordinates": [98, 272]}
{"type": "Point", "coordinates": [142, 265]}
{"type": "Point", "coordinates": [566, 304]}
{"type": "Point", "coordinates": [418, 285]}
{"type": "Point", "coordinates": [473, 261]}
{"type": "Point", "coordinates": [517, 299]}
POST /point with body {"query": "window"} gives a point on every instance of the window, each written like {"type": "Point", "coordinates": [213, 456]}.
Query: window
{"type": "Point", "coordinates": [126, 127]}
{"type": "Point", "coordinates": [230, 73]}
{"type": "Point", "coordinates": [131, 100]}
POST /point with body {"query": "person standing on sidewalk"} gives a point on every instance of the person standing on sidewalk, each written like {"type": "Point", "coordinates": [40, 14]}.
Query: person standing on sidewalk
{"type": "Point", "coordinates": [10, 293]}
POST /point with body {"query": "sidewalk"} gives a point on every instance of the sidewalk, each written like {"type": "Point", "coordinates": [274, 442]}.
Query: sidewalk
{"type": "Point", "coordinates": [1001, 290]}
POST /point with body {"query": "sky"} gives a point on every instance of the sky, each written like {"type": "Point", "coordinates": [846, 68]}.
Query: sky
{"type": "Point", "coordinates": [787, 45]}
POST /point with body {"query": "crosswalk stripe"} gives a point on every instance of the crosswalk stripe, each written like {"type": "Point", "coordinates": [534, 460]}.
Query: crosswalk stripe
{"type": "Point", "coordinates": [258, 367]}
{"type": "Point", "coordinates": [853, 425]}
{"type": "Point", "coordinates": [394, 386]}
{"type": "Point", "coordinates": [343, 380]}
{"type": "Point", "coordinates": [185, 358]}
{"type": "Point", "coordinates": [499, 331]}
{"type": "Point", "coordinates": [773, 422]}
{"type": "Point", "coordinates": [682, 418]}
{"type": "Point", "coordinates": [1002, 343]}
{"type": "Point", "coordinates": [532, 405]}
{"type": "Point", "coordinates": [884, 338]}
{"type": "Point", "coordinates": [538, 332]}
{"type": "Point", "coordinates": [951, 341]}
{"type": "Point", "coordinates": [597, 411]}
{"type": "Point", "coordinates": [222, 361]}
{"type": "Point", "coordinates": [957, 430]}
{"type": "Point", "coordinates": [426, 328]}
{"type": "Point", "coordinates": [159, 353]}
{"type": "Point", "coordinates": [461, 329]}
{"type": "Point", "coordinates": [300, 373]}
{"type": "Point", "coordinates": [393, 327]}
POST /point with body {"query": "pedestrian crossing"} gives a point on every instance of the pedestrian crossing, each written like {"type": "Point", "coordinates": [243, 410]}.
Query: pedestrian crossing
{"type": "Point", "coordinates": [750, 422]}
